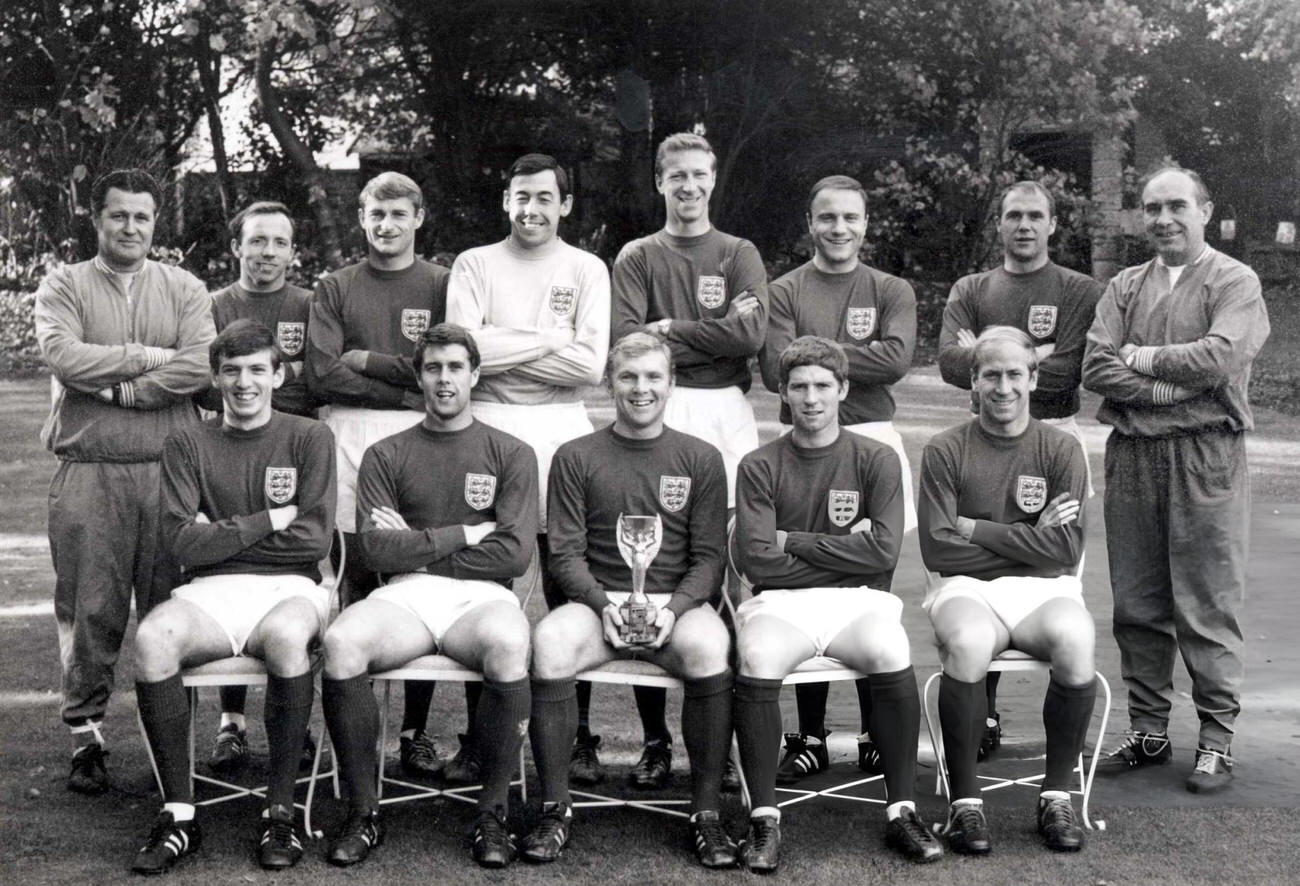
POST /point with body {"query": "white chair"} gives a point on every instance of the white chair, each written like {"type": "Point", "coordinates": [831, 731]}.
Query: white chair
{"type": "Point", "coordinates": [244, 670]}
{"type": "Point", "coordinates": [1016, 661]}
{"type": "Point", "coordinates": [438, 668]}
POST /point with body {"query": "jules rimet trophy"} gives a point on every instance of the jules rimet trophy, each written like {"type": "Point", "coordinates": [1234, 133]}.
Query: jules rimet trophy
{"type": "Point", "coordinates": [639, 538]}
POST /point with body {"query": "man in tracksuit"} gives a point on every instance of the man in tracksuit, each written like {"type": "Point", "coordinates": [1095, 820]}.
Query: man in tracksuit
{"type": "Point", "coordinates": [126, 339]}
{"type": "Point", "coordinates": [1171, 350]}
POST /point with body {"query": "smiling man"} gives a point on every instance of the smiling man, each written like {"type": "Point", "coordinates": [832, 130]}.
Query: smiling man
{"type": "Point", "coordinates": [635, 467]}
{"type": "Point", "coordinates": [126, 339]}
{"type": "Point", "coordinates": [819, 527]}
{"type": "Point", "coordinates": [247, 512]}
{"type": "Point", "coordinates": [1171, 351]}
{"type": "Point", "coordinates": [872, 315]}
{"type": "Point", "coordinates": [448, 513]}
{"type": "Point", "coordinates": [1051, 304]}
{"type": "Point", "coordinates": [262, 240]}
{"type": "Point", "coordinates": [1001, 532]}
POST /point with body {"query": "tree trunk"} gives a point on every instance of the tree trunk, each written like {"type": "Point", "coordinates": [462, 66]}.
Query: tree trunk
{"type": "Point", "coordinates": [301, 156]}
{"type": "Point", "coordinates": [209, 67]}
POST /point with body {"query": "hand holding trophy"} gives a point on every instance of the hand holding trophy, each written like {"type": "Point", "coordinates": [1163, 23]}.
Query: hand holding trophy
{"type": "Point", "coordinates": [639, 538]}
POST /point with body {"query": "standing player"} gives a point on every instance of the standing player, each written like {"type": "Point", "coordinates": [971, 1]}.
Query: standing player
{"type": "Point", "coordinates": [819, 526]}
{"type": "Point", "coordinates": [364, 320]}
{"type": "Point", "coordinates": [125, 339]}
{"type": "Point", "coordinates": [1001, 531]}
{"type": "Point", "coordinates": [261, 237]}
{"type": "Point", "coordinates": [247, 512]}
{"type": "Point", "coordinates": [637, 466]}
{"type": "Point", "coordinates": [539, 312]}
{"type": "Point", "coordinates": [447, 511]}
{"type": "Point", "coordinates": [1052, 304]}
{"type": "Point", "coordinates": [1171, 352]}
{"type": "Point", "coordinates": [873, 317]}
{"type": "Point", "coordinates": [705, 293]}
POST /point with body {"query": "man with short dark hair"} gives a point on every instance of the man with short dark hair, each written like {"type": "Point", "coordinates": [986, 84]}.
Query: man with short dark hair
{"type": "Point", "coordinates": [704, 293]}
{"type": "Point", "coordinates": [872, 315]}
{"type": "Point", "coordinates": [126, 340]}
{"type": "Point", "coordinates": [1002, 533]}
{"type": "Point", "coordinates": [539, 311]}
{"type": "Point", "coordinates": [819, 526]}
{"type": "Point", "coordinates": [1171, 351]}
{"type": "Point", "coordinates": [447, 512]}
{"type": "Point", "coordinates": [262, 239]}
{"type": "Point", "coordinates": [1052, 304]}
{"type": "Point", "coordinates": [635, 467]}
{"type": "Point", "coordinates": [364, 320]}
{"type": "Point", "coordinates": [247, 513]}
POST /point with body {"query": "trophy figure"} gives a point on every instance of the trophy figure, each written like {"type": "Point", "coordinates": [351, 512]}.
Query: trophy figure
{"type": "Point", "coordinates": [638, 541]}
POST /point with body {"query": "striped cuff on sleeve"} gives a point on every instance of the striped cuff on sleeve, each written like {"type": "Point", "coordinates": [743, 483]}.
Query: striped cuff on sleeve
{"type": "Point", "coordinates": [154, 357]}
{"type": "Point", "coordinates": [126, 394]}
{"type": "Point", "coordinates": [1163, 393]}
{"type": "Point", "coordinates": [1143, 360]}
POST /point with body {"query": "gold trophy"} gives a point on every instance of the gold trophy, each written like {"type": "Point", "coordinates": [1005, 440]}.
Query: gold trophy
{"type": "Point", "coordinates": [639, 538]}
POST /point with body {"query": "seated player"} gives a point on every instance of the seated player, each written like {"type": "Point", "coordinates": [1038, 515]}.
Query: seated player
{"type": "Point", "coordinates": [1001, 523]}
{"type": "Point", "coordinates": [637, 466]}
{"type": "Point", "coordinates": [247, 512]}
{"type": "Point", "coordinates": [447, 512]}
{"type": "Point", "coordinates": [819, 524]}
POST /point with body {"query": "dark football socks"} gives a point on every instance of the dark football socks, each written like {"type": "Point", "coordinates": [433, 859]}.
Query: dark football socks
{"type": "Point", "coordinates": [1067, 710]}
{"type": "Point", "coordinates": [233, 699]}
{"type": "Point", "coordinates": [651, 703]}
{"type": "Point", "coordinates": [503, 712]}
{"type": "Point", "coordinates": [288, 710]}
{"type": "Point", "coordinates": [551, 730]}
{"type": "Point", "coordinates": [584, 708]}
{"type": "Point", "coordinates": [352, 716]}
{"type": "Point", "coordinates": [758, 732]}
{"type": "Point", "coordinates": [810, 701]}
{"type": "Point", "coordinates": [991, 680]}
{"type": "Point", "coordinates": [962, 709]}
{"type": "Point", "coordinates": [706, 732]}
{"type": "Point", "coordinates": [863, 687]}
{"type": "Point", "coordinates": [895, 726]}
{"type": "Point", "coordinates": [417, 698]}
{"type": "Point", "coordinates": [165, 712]}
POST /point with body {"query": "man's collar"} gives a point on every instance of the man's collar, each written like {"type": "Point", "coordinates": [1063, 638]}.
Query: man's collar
{"type": "Point", "coordinates": [1205, 250]}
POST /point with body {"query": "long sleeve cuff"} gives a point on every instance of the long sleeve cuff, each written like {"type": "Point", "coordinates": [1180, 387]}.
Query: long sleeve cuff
{"type": "Point", "coordinates": [154, 357]}
{"type": "Point", "coordinates": [1164, 393]}
{"type": "Point", "coordinates": [125, 392]}
{"type": "Point", "coordinates": [1143, 360]}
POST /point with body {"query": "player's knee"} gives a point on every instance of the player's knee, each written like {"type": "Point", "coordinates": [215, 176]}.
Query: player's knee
{"type": "Point", "coordinates": [755, 658]}
{"type": "Point", "coordinates": [158, 645]}
{"type": "Point", "coordinates": [886, 647]}
{"type": "Point", "coordinates": [286, 641]}
{"type": "Point", "coordinates": [506, 646]}
{"type": "Point", "coordinates": [703, 646]}
{"type": "Point", "coordinates": [967, 651]}
{"type": "Point", "coordinates": [345, 653]}
{"type": "Point", "coordinates": [554, 649]}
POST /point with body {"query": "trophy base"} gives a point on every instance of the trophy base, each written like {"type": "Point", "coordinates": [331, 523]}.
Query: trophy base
{"type": "Point", "coordinates": [637, 628]}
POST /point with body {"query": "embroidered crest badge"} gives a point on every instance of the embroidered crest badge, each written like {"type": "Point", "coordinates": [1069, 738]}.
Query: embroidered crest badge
{"type": "Point", "coordinates": [281, 484]}
{"type": "Point", "coordinates": [842, 506]}
{"type": "Point", "coordinates": [414, 322]}
{"type": "Point", "coordinates": [289, 336]}
{"type": "Point", "coordinates": [1042, 320]}
{"type": "Point", "coordinates": [480, 490]}
{"type": "Point", "coordinates": [861, 322]}
{"type": "Point", "coordinates": [674, 492]}
{"type": "Point", "coordinates": [711, 291]}
{"type": "Point", "coordinates": [1031, 493]}
{"type": "Point", "coordinates": [562, 300]}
